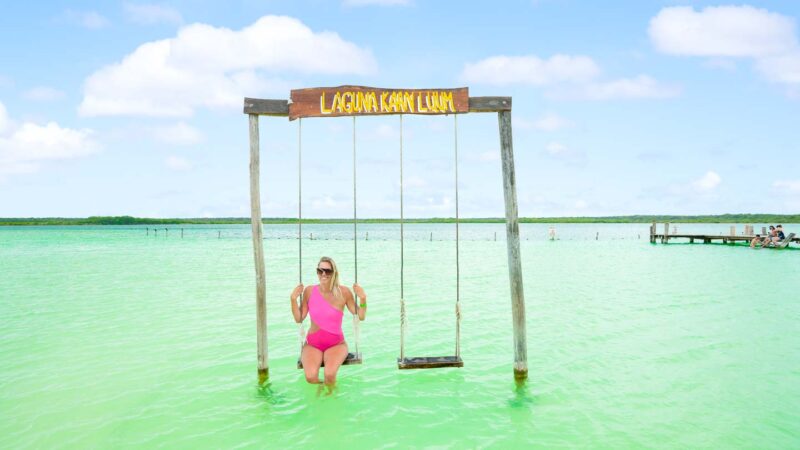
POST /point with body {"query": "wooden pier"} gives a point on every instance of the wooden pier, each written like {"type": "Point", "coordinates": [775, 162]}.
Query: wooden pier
{"type": "Point", "coordinates": [731, 238]}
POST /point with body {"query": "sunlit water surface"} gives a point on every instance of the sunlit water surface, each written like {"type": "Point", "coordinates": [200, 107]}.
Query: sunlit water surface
{"type": "Point", "coordinates": [116, 337]}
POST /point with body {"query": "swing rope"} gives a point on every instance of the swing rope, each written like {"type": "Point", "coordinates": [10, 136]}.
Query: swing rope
{"type": "Point", "coordinates": [402, 301]}
{"type": "Point", "coordinates": [458, 271]}
{"type": "Point", "coordinates": [301, 331]}
{"type": "Point", "coordinates": [403, 320]}
{"type": "Point", "coordinates": [356, 331]}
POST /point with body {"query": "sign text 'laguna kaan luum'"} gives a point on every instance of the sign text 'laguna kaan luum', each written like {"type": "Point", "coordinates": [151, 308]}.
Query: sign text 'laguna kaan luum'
{"type": "Point", "coordinates": [360, 100]}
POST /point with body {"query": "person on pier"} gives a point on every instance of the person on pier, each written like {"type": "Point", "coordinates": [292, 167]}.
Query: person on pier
{"type": "Point", "coordinates": [325, 302]}
{"type": "Point", "coordinates": [755, 241]}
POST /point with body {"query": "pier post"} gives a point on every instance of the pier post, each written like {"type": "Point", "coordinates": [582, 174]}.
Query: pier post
{"type": "Point", "coordinates": [512, 245]}
{"type": "Point", "coordinates": [653, 233]}
{"type": "Point", "coordinates": [258, 252]}
{"type": "Point", "coordinates": [181, 233]}
{"type": "Point", "coordinates": [665, 239]}
{"type": "Point", "coordinates": [763, 231]}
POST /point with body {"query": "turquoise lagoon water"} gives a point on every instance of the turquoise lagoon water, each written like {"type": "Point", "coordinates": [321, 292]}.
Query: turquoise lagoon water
{"type": "Point", "coordinates": [116, 337]}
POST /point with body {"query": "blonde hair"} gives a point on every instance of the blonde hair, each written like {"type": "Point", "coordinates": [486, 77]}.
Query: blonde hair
{"type": "Point", "coordinates": [337, 291]}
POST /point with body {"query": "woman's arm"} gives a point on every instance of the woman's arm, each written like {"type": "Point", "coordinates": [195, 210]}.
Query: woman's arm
{"type": "Point", "coordinates": [299, 312]}
{"type": "Point", "coordinates": [362, 301]}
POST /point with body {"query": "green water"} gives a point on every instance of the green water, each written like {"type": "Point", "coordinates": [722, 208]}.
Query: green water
{"type": "Point", "coordinates": [113, 338]}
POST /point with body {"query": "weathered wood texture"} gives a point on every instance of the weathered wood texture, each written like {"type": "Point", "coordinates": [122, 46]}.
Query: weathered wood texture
{"type": "Point", "coordinates": [369, 101]}
{"type": "Point", "coordinates": [352, 358]}
{"type": "Point", "coordinates": [265, 107]}
{"type": "Point", "coordinates": [429, 362]}
{"type": "Point", "coordinates": [489, 104]}
{"type": "Point", "coordinates": [258, 251]}
{"type": "Point", "coordinates": [512, 244]}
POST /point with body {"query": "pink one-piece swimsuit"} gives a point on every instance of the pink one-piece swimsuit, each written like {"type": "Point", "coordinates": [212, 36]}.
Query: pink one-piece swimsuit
{"type": "Point", "coordinates": [328, 319]}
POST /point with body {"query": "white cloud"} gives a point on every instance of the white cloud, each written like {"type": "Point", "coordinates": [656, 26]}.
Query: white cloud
{"type": "Point", "coordinates": [532, 70]}
{"type": "Point", "coordinates": [739, 31]}
{"type": "Point", "coordinates": [707, 182]}
{"type": "Point", "coordinates": [43, 94]}
{"type": "Point", "coordinates": [211, 67]}
{"type": "Point", "coordinates": [640, 87]}
{"type": "Point", "coordinates": [376, 2]}
{"type": "Point", "coordinates": [178, 134]}
{"type": "Point", "coordinates": [768, 38]}
{"type": "Point", "coordinates": [567, 77]}
{"type": "Point", "coordinates": [4, 120]}
{"type": "Point", "coordinates": [178, 164]}
{"type": "Point", "coordinates": [23, 148]}
{"type": "Point", "coordinates": [792, 186]}
{"type": "Point", "coordinates": [564, 154]}
{"type": "Point", "coordinates": [548, 122]}
{"type": "Point", "coordinates": [555, 148]}
{"type": "Point", "coordinates": [781, 69]}
{"type": "Point", "coordinates": [87, 19]}
{"type": "Point", "coordinates": [150, 14]}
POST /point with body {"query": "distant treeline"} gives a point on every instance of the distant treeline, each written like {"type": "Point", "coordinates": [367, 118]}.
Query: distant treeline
{"type": "Point", "coordinates": [128, 220]}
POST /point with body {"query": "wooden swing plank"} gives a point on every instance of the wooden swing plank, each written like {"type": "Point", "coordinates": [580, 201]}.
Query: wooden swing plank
{"type": "Point", "coordinates": [429, 362]}
{"type": "Point", "coordinates": [352, 358]}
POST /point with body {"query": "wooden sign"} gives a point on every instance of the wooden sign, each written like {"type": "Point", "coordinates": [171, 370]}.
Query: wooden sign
{"type": "Point", "coordinates": [367, 101]}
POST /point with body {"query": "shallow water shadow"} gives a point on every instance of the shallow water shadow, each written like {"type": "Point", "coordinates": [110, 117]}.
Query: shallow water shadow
{"type": "Point", "coordinates": [522, 397]}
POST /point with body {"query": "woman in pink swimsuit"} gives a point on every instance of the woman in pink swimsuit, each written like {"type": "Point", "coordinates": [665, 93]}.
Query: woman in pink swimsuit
{"type": "Point", "coordinates": [325, 302]}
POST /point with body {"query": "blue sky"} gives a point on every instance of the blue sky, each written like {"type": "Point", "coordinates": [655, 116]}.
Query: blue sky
{"type": "Point", "coordinates": [627, 107]}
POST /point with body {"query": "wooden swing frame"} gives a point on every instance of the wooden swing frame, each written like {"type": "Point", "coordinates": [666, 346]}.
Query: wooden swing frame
{"type": "Point", "coordinates": [303, 105]}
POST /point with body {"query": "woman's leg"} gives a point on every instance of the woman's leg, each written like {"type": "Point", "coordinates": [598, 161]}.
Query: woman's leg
{"type": "Point", "coordinates": [311, 358]}
{"type": "Point", "coordinates": [334, 357]}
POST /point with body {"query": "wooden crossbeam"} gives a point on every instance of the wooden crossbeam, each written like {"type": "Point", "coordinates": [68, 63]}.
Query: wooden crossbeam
{"type": "Point", "coordinates": [280, 108]}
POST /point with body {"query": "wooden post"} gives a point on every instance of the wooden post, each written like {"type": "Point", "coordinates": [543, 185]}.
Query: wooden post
{"type": "Point", "coordinates": [512, 244]}
{"type": "Point", "coordinates": [258, 252]}
{"type": "Point", "coordinates": [665, 239]}
{"type": "Point", "coordinates": [431, 236]}
{"type": "Point", "coordinates": [597, 236]}
{"type": "Point", "coordinates": [367, 235]}
{"type": "Point", "coordinates": [181, 233]}
{"type": "Point", "coordinates": [763, 231]}
{"type": "Point", "coordinates": [495, 236]}
{"type": "Point", "coordinates": [653, 233]}
{"type": "Point", "coordinates": [148, 231]}
{"type": "Point", "coordinates": [311, 235]}
{"type": "Point", "coordinates": [733, 230]}
{"type": "Point", "coordinates": [166, 232]}
{"type": "Point", "coordinates": [219, 232]}
{"type": "Point", "coordinates": [156, 231]}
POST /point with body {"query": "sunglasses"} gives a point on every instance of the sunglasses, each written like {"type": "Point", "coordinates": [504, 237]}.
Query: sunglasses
{"type": "Point", "coordinates": [320, 271]}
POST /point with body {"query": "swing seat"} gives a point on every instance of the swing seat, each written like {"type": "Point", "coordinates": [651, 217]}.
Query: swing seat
{"type": "Point", "coordinates": [429, 362]}
{"type": "Point", "coordinates": [352, 358]}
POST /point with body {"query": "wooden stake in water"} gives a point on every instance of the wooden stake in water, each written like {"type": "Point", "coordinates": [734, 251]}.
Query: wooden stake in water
{"type": "Point", "coordinates": [148, 231]}
{"type": "Point", "coordinates": [181, 233]}
{"type": "Point", "coordinates": [258, 253]}
{"type": "Point", "coordinates": [512, 245]}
